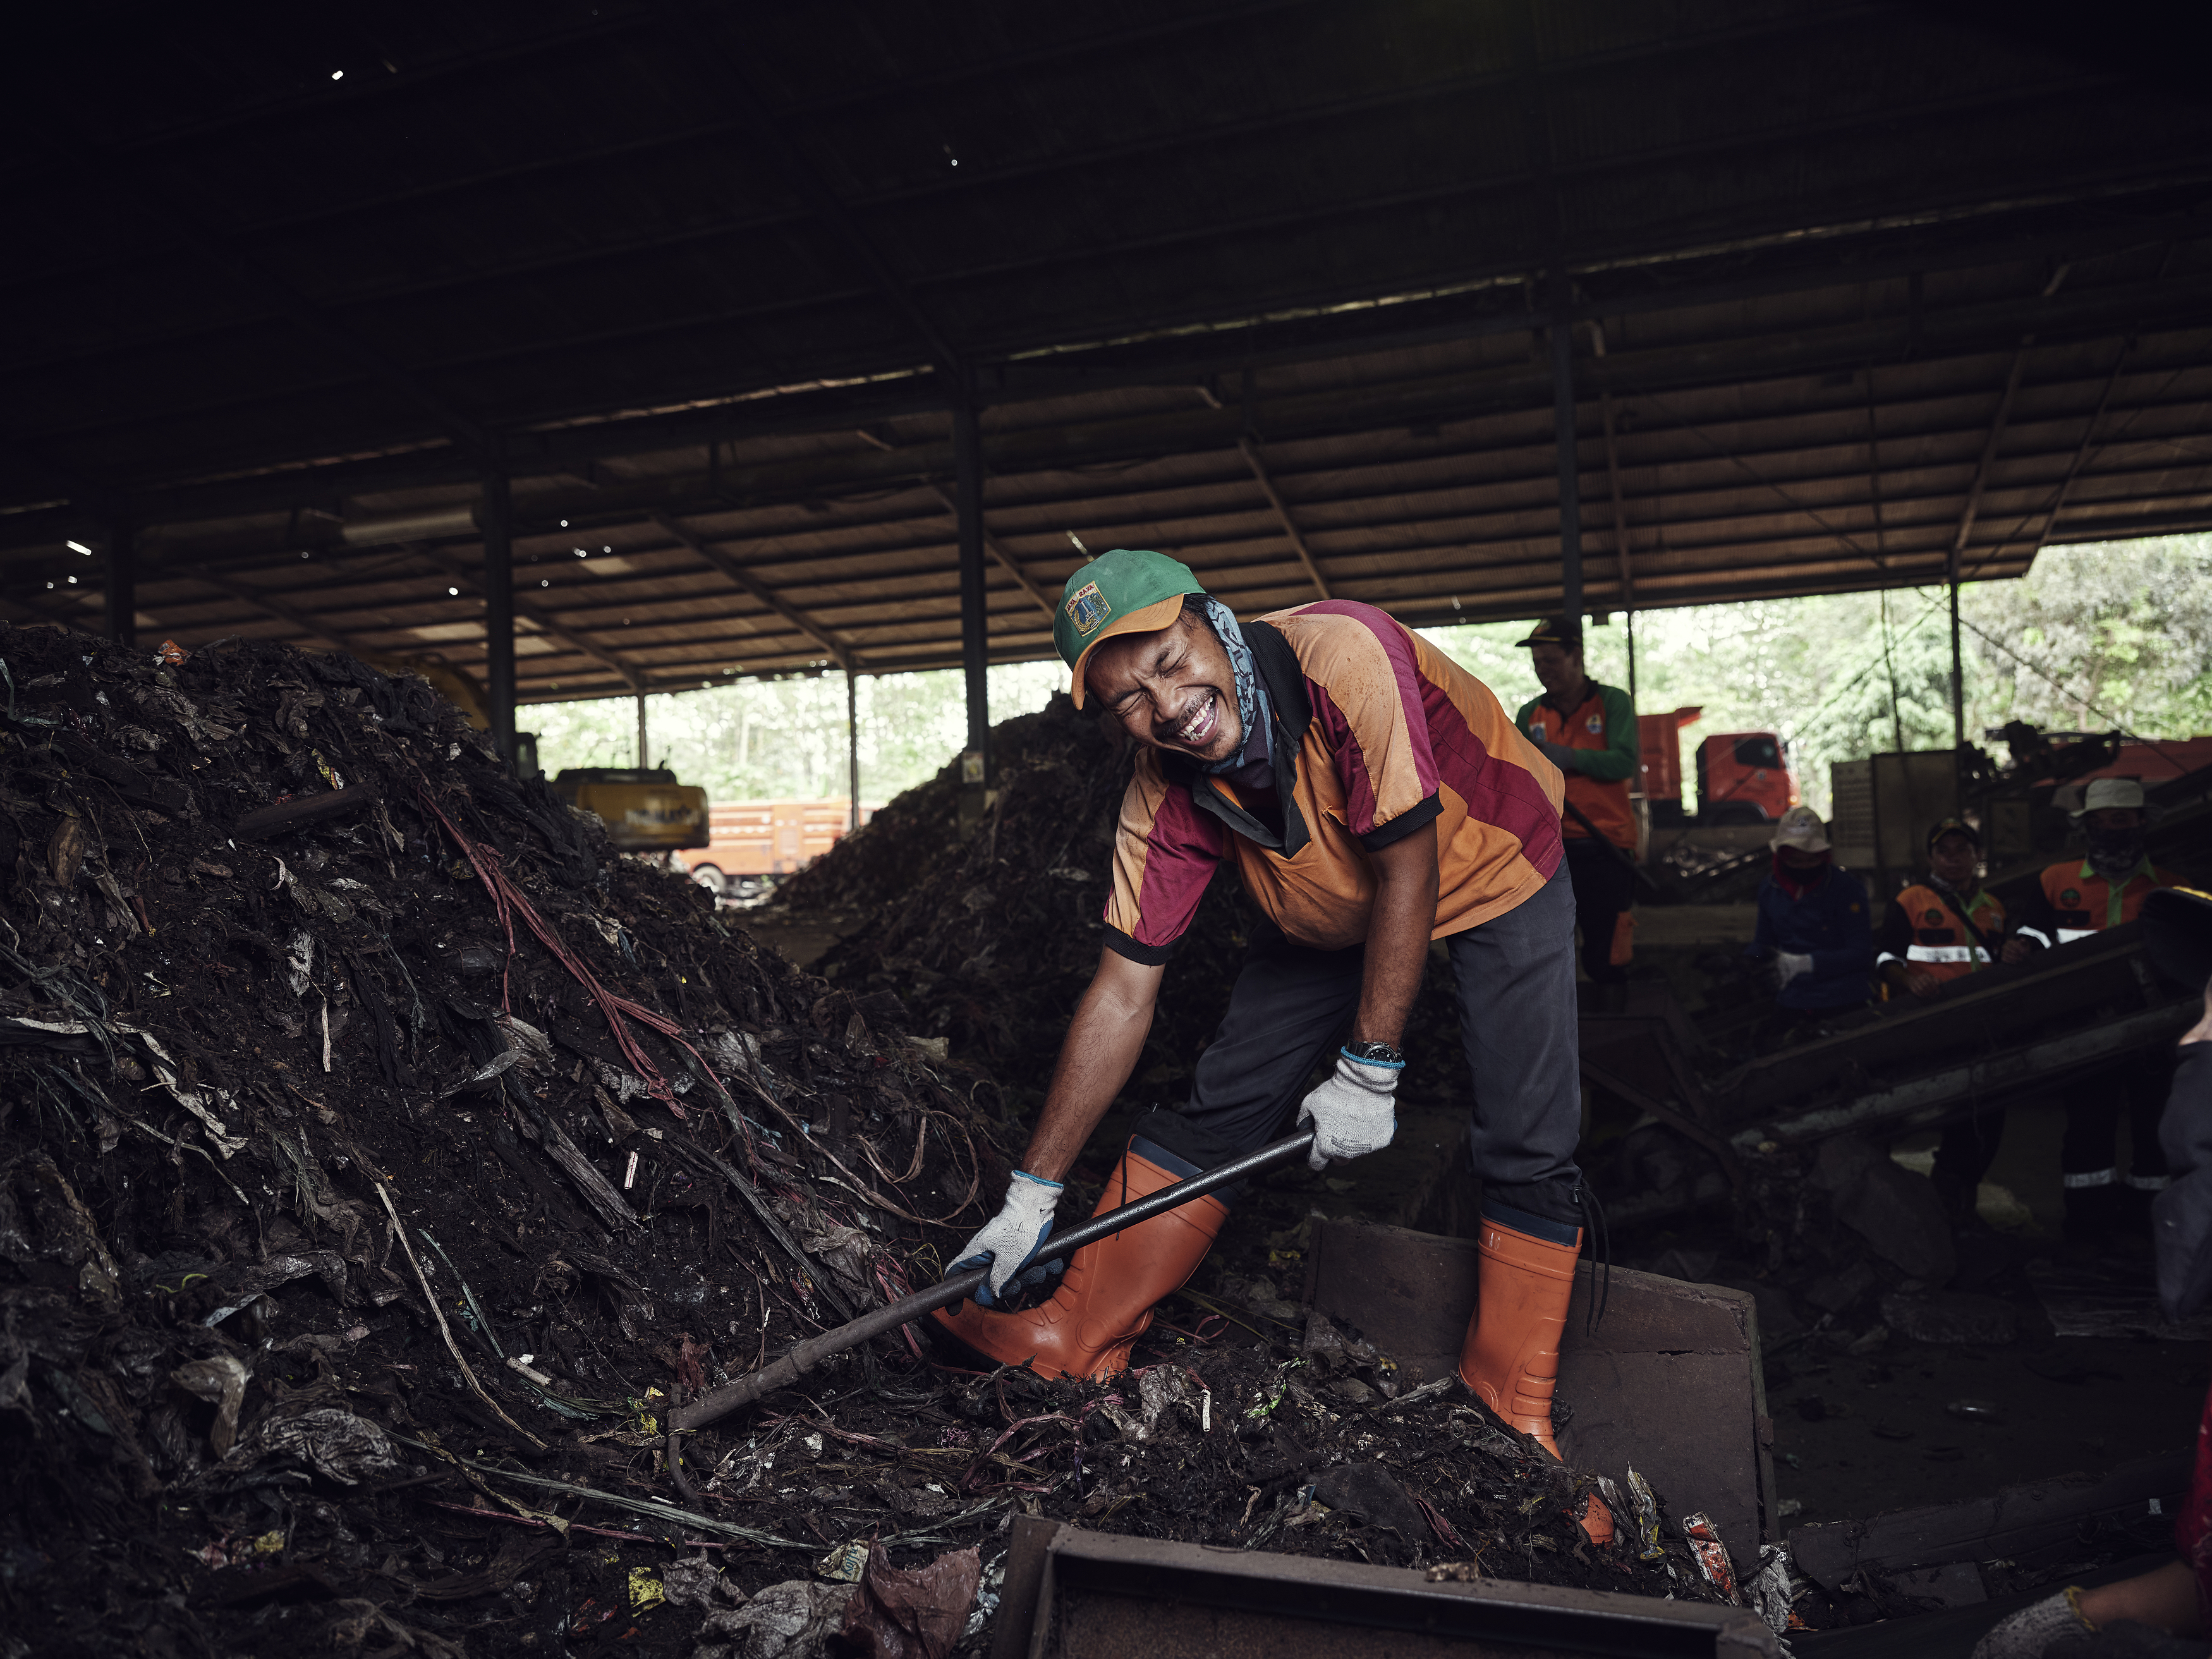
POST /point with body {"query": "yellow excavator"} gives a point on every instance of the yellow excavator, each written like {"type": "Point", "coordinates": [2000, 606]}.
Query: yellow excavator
{"type": "Point", "coordinates": [456, 685]}
{"type": "Point", "coordinates": [645, 810]}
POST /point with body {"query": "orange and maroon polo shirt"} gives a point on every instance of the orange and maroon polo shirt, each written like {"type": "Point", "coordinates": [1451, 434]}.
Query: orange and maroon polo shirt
{"type": "Point", "coordinates": [1376, 733]}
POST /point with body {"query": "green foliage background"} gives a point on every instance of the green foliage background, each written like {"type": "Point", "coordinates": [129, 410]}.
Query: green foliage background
{"type": "Point", "coordinates": [2094, 637]}
{"type": "Point", "coordinates": [784, 740]}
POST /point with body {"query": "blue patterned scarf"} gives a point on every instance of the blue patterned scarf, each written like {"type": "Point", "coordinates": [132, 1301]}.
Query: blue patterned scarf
{"type": "Point", "coordinates": [1251, 761]}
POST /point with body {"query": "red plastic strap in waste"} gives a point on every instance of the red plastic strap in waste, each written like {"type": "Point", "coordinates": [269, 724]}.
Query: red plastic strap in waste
{"type": "Point", "coordinates": [509, 902]}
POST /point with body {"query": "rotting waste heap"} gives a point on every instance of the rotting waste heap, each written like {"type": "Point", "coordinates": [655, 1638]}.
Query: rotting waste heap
{"type": "Point", "coordinates": [381, 1157]}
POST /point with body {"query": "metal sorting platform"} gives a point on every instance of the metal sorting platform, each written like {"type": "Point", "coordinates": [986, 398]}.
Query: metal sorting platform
{"type": "Point", "coordinates": [1070, 1594]}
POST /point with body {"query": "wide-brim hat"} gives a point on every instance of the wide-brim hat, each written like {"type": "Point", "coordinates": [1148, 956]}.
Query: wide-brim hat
{"type": "Point", "coordinates": [2123, 792]}
{"type": "Point", "coordinates": [1127, 590]}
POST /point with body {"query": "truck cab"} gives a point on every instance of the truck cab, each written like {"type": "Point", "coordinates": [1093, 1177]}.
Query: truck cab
{"type": "Point", "coordinates": [1744, 777]}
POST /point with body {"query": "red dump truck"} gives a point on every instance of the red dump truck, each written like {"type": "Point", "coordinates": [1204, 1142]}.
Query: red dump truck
{"type": "Point", "coordinates": [1742, 777]}
{"type": "Point", "coordinates": [750, 843]}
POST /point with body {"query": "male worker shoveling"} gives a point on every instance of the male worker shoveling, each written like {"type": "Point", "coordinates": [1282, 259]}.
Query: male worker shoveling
{"type": "Point", "coordinates": [1373, 796]}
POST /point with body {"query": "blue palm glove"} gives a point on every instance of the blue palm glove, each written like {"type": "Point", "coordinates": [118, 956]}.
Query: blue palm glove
{"type": "Point", "coordinates": [1013, 1237]}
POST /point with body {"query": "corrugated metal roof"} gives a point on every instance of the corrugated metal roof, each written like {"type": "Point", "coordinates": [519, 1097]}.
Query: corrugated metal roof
{"type": "Point", "coordinates": [1851, 284]}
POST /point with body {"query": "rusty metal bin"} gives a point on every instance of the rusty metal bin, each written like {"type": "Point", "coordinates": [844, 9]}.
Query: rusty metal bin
{"type": "Point", "coordinates": [1070, 1594]}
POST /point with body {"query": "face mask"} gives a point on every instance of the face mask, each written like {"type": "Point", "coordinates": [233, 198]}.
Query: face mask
{"type": "Point", "coordinates": [2115, 851]}
{"type": "Point", "coordinates": [1806, 878]}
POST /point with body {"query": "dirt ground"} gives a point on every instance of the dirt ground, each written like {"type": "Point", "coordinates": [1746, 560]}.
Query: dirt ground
{"type": "Point", "coordinates": [1882, 1436]}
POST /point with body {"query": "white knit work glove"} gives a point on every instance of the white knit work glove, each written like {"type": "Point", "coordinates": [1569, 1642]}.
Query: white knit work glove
{"type": "Point", "coordinates": [1351, 1112]}
{"type": "Point", "coordinates": [1008, 1241]}
{"type": "Point", "coordinates": [1788, 965]}
{"type": "Point", "coordinates": [2026, 1634]}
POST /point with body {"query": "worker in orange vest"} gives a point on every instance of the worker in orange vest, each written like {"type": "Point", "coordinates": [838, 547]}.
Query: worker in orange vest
{"type": "Point", "coordinates": [1589, 731]}
{"type": "Point", "coordinates": [1935, 931]}
{"type": "Point", "coordinates": [2076, 899]}
{"type": "Point", "coordinates": [1945, 928]}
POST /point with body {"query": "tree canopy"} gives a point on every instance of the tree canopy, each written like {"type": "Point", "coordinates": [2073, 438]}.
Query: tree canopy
{"type": "Point", "coordinates": [2093, 637]}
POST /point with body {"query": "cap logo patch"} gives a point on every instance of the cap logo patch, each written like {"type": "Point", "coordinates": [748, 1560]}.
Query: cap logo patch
{"type": "Point", "coordinates": [1933, 916]}
{"type": "Point", "coordinates": [2070, 898]}
{"type": "Point", "coordinates": [1087, 609]}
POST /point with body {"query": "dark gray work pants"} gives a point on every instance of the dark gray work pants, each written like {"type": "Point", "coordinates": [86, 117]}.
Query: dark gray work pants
{"type": "Point", "coordinates": [1517, 996]}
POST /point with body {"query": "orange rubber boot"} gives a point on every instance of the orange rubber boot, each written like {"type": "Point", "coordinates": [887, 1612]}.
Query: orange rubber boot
{"type": "Point", "coordinates": [1104, 1302]}
{"type": "Point", "coordinates": [1511, 1355]}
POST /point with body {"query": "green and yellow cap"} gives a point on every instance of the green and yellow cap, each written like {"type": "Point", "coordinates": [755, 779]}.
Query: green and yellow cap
{"type": "Point", "coordinates": [1943, 827]}
{"type": "Point", "coordinates": [1127, 590]}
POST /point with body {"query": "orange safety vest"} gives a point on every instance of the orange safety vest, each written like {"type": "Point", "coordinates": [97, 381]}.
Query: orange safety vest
{"type": "Point", "coordinates": [1606, 805]}
{"type": "Point", "coordinates": [1943, 947]}
{"type": "Point", "coordinates": [2083, 903]}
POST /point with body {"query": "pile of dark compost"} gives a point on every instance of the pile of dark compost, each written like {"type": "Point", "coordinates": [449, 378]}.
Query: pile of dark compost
{"type": "Point", "coordinates": [384, 1157]}
{"type": "Point", "coordinates": [361, 1110]}
{"type": "Point", "coordinates": [991, 938]}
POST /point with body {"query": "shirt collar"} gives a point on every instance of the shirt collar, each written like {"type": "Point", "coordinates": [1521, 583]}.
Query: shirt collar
{"type": "Point", "coordinates": [1590, 689]}
{"type": "Point", "coordinates": [1253, 767]}
{"type": "Point", "coordinates": [2143, 868]}
{"type": "Point", "coordinates": [1964, 897]}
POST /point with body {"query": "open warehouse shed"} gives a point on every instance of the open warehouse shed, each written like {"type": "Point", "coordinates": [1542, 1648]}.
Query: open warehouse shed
{"type": "Point", "coordinates": [426, 1226]}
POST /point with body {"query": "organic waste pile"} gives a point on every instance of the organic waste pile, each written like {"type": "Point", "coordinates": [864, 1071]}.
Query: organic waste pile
{"type": "Point", "coordinates": [382, 1158]}
{"type": "Point", "coordinates": [991, 938]}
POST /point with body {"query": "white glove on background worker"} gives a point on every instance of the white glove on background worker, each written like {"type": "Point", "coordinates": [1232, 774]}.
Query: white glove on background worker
{"type": "Point", "coordinates": [1019, 1231]}
{"type": "Point", "coordinates": [2026, 1634]}
{"type": "Point", "coordinates": [1788, 965]}
{"type": "Point", "coordinates": [1351, 1111]}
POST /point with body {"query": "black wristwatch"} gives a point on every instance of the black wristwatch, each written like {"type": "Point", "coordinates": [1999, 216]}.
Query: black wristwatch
{"type": "Point", "coordinates": [1379, 1053]}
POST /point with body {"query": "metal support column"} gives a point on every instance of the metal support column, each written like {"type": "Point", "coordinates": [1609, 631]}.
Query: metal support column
{"type": "Point", "coordinates": [1562, 425]}
{"type": "Point", "coordinates": [1958, 667]}
{"type": "Point", "coordinates": [494, 519]}
{"type": "Point", "coordinates": [122, 591]}
{"type": "Point", "coordinates": [1621, 548]}
{"type": "Point", "coordinates": [975, 616]}
{"type": "Point", "coordinates": [852, 751]}
{"type": "Point", "coordinates": [642, 763]}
